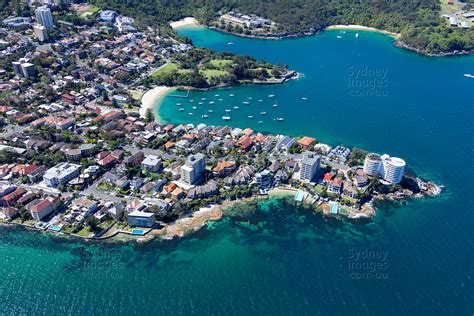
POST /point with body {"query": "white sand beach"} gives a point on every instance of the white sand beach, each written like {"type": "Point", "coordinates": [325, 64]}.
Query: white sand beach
{"type": "Point", "coordinates": [189, 21]}
{"type": "Point", "coordinates": [151, 97]}
{"type": "Point", "coordinates": [360, 28]}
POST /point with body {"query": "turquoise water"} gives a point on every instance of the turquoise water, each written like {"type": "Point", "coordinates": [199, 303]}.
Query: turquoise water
{"type": "Point", "coordinates": [281, 259]}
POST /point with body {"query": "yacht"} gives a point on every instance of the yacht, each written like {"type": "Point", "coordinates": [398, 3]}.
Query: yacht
{"type": "Point", "coordinates": [231, 95]}
{"type": "Point", "coordinates": [210, 111]}
{"type": "Point", "coordinates": [250, 117]}
{"type": "Point", "coordinates": [260, 100]}
{"type": "Point", "coordinates": [203, 99]}
{"type": "Point", "coordinates": [191, 101]}
{"type": "Point", "coordinates": [230, 43]}
{"type": "Point", "coordinates": [226, 118]}
{"type": "Point", "coordinates": [275, 105]}
{"type": "Point", "coordinates": [357, 34]}
{"type": "Point", "coordinates": [339, 36]}
{"type": "Point", "coordinates": [212, 102]}
{"type": "Point", "coordinates": [191, 113]}
{"type": "Point", "coordinates": [194, 107]}
{"type": "Point", "coordinates": [178, 104]}
{"type": "Point", "coordinates": [236, 107]}
{"type": "Point", "coordinates": [181, 109]}
{"type": "Point", "coordinates": [216, 95]}
{"type": "Point", "coordinates": [280, 119]}
{"type": "Point", "coordinates": [260, 122]}
{"type": "Point", "coordinates": [246, 102]}
{"type": "Point", "coordinates": [304, 98]}
{"type": "Point", "coordinates": [468, 76]}
{"type": "Point", "coordinates": [263, 113]}
{"type": "Point", "coordinates": [271, 95]}
{"type": "Point", "coordinates": [221, 100]}
{"type": "Point", "coordinates": [204, 116]}
{"type": "Point", "coordinates": [227, 110]}
{"type": "Point", "coordinates": [250, 98]}
{"type": "Point", "coordinates": [201, 103]}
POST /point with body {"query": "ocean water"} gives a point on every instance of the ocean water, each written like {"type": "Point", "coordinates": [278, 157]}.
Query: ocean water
{"type": "Point", "coordinates": [281, 259]}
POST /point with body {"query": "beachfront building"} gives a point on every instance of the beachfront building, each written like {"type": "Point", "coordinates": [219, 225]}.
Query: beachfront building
{"type": "Point", "coordinates": [391, 169]}
{"type": "Point", "coordinates": [309, 166]}
{"type": "Point", "coordinates": [41, 208]}
{"type": "Point", "coordinates": [141, 219]}
{"type": "Point", "coordinates": [193, 169]}
{"type": "Point", "coordinates": [62, 173]}
{"type": "Point", "coordinates": [44, 17]}
{"type": "Point", "coordinates": [372, 164]}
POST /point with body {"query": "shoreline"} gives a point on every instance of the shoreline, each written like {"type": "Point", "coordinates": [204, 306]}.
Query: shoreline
{"type": "Point", "coordinates": [151, 100]}
{"type": "Point", "coordinates": [185, 22]}
{"type": "Point", "coordinates": [356, 27]}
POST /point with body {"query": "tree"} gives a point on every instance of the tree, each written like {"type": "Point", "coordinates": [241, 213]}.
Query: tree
{"type": "Point", "coordinates": [149, 116]}
{"type": "Point", "coordinates": [92, 222]}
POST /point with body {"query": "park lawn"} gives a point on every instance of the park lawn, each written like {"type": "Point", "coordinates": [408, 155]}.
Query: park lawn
{"type": "Point", "coordinates": [209, 73]}
{"type": "Point", "coordinates": [165, 69]}
{"type": "Point", "coordinates": [220, 63]}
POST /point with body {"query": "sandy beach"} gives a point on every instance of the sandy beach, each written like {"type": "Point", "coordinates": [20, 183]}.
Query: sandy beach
{"type": "Point", "coordinates": [150, 99]}
{"type": "Point", "coordinates": [360, 28]}
{"type": "Point", "coordinates": [189, 21]}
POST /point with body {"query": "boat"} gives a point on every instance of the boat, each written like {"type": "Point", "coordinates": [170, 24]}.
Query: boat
{"type": "Point", "coordinates": [212, 102]}
{"type": "Point", "coordinates": [191, 101]}
{"type": "Point", "coordinates": [357, 34]}
{"type": "Point", "coordinates": [220, 99]}
{"type": "Point", "coordinates": [280, 119]}
{"type": "Point", "coordinates": [339, 36]}
{"type": "Point", "coordinates": [226, 118]}
{"type": "Point", "coordinates": [178, 104]}
{"type": "Point", "coordinates": [203, 99]}
{"type": "Point", "coordinates": [236, 107]}
{"type": "Point", "coordinates": [250, 117]}
{"type": "Point", "coordinates": [181, 109]}
{"type": "Point", "coordinates": [230, 43]}
{"type": "Point", "coordinates": [468, 76]}
{"type": "Point", "coordinates": [201, 103]}
{"type": "Point", "coordinates": [275, 105]}
{"type": "Point", "coordinates": [260, 122]}
{"type": "Point", "coordinates": [271, 95]}
{"type": "Point", "coordinates": [263, 113]}
{"type": "Point", "coordinates": [227, 110]}
{"type": "Point", "coordinates": [216, 95]}
{"type": "Point", "coordinates": [245, 102]}
{"type": "Point", "coordinates": [231, 95]}
{"type": "Point", "coordinates": [191, 113]}
{"type": "Point", "coordinates": [194, 107]}
{"type": "Point", "coordinates": [260, 100]}
{"type": "Point", "coordinates": [204, 116]}
{"type": "Point", "coordinates": [304, 98]}
{"type": "Point", "coordinates": [250, 98]}
{"type": "Point", "coordinates": [210, 111]}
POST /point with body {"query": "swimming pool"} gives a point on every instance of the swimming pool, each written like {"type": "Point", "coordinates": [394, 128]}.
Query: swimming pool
{"type": "Point", "coordinates": [137, 232]}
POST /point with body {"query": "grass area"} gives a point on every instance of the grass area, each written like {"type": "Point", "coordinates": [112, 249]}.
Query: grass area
{"type": "Point", "coordinates": [165, 69]}
{"type": "Point", "coordinates": [209, 73]}
{"type": "Point", "coordinates": [68, 229]}
{"type": "Point", "coordinates": [85, 232]}
{"type": "Point", "coordinates": [319, 189]}
{"type": "Point", "coordinates": [136, 95]}
{"type": "Point", "coordinates": [220, 63]}
{"type": "Point", "coordinates": [104, 186]}
{"type": "Point", "coordinates": [450, 8]}
{"type": "Point", "coordinates": [106, 224]}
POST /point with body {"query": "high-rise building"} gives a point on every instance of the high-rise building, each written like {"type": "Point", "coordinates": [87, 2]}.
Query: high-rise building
{"type": "Point", "coordinates": [309, 166]}
{"type": "Point", "coordinates": [24, 68]}
{"type": "Point", "coordinates": [44, 17]}
{"type": "Point", "coordinates": [391, 169]}
{"type": "Point", "coordinates": [192, 170]}
{"type": "Point", "coordinates": [41, 32]}
{"type": "Point", "coordinates": [372, 164]}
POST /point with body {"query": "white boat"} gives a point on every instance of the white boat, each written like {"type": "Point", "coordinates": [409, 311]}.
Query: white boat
{"type": "Point", "coordinates": [230, 43]}
{"type": "Point", "coordinates": [280, 119]}
{"type": "Point", "coordinates": [203, 99]}
{"type": "Point", "coordinates": [204, 116]}
{"type": "Point", "coordinates": [212, 102]}
{"type": "Point", "coordinates": [210, 111]}
{"type": "Point", "coordinates": [250, 117]}
{"type": "Point", "coordinates": [194, 107]}
{"type": "Point", "coordinates": [245, 102]}
{"type": "Point", "coordinates": [260, 122]}
{"type": "Point", "coordinates": [236, 107]}
{"type": "Point", "coordinates": [216, 95]}
{"type": "Point", "coordinates": [271, 95]}
{"type": "Point", "coordinates": [178, 104]}
{"type": "Point", "coordinates": [191, 101]}
{"type": "Point", "coordinates": [181, 109]}
{"type": "Point", "coordinates": [275, 105]}
{"type": "Point", "coordinates": [227, 110]}
{"type": "Point", "coordinates": [357, 34]}
{"type": "Point", "coordinates": [201, 103]}
{"type": "Point", "coordinates": [231, 95]}
{"type": "Point", "coordinates": [263, 113]}
{"type": "Point", "coordinates": [339, 36]}
{"type": "Point", "coordinates": [304, 98]}
{"type": "Point", "coordinates": [191, 113]}
{"type": "Point", "coordinates": [221, 99]}
{"type": "Point", "coordinates": [226, 118]}
{"type": "Point", "coordinates": [260, 100]}
{"type": "Point", "coordinates": [468, 76]}
{"type": "Point", "coordinates": [250, 98]}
